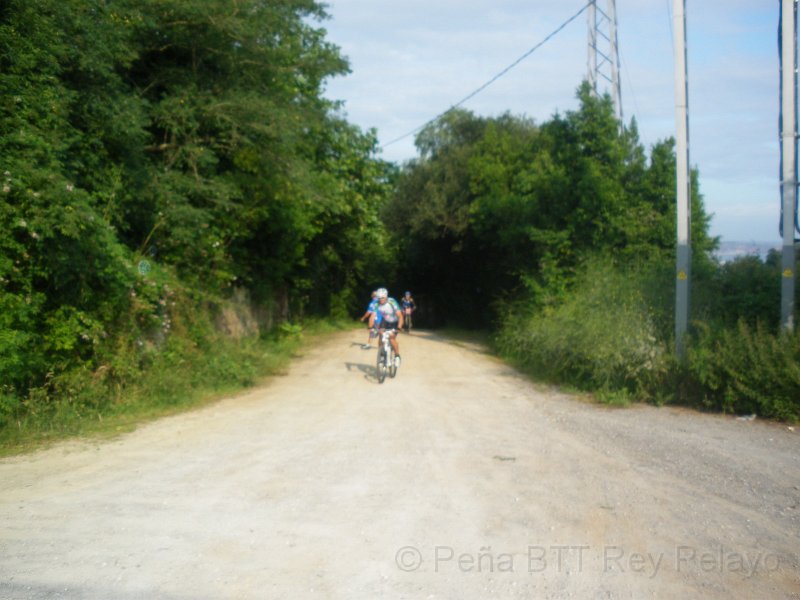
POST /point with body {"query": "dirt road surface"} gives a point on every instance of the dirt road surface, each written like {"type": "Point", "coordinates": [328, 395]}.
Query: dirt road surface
{"type": "Point", "coordinates": [459, 479]}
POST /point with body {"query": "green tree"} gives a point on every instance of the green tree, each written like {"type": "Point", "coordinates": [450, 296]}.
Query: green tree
{"type": "Point", "coordinates": [496, 207]}
{"type": "Point", "coordinates": [190, 133]}
{"type": "Point", "coordinates": [64, 275]}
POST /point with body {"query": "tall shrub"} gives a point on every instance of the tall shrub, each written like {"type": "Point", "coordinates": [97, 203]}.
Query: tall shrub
{"type": "Point", "coordinates": [747, 369]}
{"type": "Point", "coordinates": [602, 336]}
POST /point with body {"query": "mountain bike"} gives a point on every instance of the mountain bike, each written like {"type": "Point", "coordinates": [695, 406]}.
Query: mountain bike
{"type": "Point", "coordinates": [407, 319]}
{"type": "Point", "coordinates": [386, 356]}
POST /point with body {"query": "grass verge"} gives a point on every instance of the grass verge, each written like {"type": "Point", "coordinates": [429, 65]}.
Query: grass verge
{"type": "Point", "coordinates": [84, 405]}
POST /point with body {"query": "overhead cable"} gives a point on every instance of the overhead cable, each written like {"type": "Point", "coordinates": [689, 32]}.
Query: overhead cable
{"type": "Point", "coordinates": [493, 79]}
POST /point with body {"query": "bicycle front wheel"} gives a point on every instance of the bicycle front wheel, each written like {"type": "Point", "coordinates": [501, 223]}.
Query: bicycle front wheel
{"type": "Point", "coordinates": [392, 365]}
{"type": "Point", "coordinates": [381, 365]}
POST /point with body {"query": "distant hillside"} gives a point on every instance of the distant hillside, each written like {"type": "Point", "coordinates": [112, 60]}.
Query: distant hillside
{"type": "Point", "coordinates": [731, 250]}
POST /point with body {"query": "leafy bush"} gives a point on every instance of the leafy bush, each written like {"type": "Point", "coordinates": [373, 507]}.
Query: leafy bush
{"type": "Point", "coordinates": [9, 407]}
{"type": "Point", "coordinates": [601, 337]}
{"type": "Point", "coordinates": [747, 369]}
{"type": "Point", "coordinates": [166, 354]}
{"type": "Point", "coordinates": [745, 288]}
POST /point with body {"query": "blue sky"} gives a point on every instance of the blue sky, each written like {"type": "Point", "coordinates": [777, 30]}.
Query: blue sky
{"type": "Point", "coordinates": [413, 59]}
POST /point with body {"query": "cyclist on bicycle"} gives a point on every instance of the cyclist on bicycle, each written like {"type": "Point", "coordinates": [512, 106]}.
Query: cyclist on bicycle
{"type": "Point", "coordinates": [371, 307]}
{"type": "Point", "coordinates": [408, 304]}
{"type": "Point", "coordinates": [388, 316]}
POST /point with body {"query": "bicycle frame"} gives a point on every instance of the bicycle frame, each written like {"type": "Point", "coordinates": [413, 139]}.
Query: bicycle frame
{"type": "Point", "coordinates": [386, 356]}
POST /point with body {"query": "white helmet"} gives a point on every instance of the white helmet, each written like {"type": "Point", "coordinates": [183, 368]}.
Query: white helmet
{"type": "Point", "coordinates": [383, 293]}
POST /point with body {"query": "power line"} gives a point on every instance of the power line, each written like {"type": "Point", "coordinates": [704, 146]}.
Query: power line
{"type": "Point", "coordinates": [671, 32]}
{"type": "Point", "coordinates": [629, 81]}
{"type": "Point", "coordinates": [493, 79]}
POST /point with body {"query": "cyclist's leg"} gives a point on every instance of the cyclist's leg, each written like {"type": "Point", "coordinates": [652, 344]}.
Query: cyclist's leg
{"type": "Point", "coordinates": [395, 343]}
{"type": "Point", "coordinates": [370, 335]}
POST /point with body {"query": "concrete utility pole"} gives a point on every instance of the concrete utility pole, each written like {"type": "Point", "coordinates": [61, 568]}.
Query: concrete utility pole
{"type": "Point", "coordinates": [592, 58]}
{"type": "Point", "coordinates": [683, 186]}
{"type": "Point", "coordinates": [788, 46]}
{"type": "Point", "coordinates": [603, 59]}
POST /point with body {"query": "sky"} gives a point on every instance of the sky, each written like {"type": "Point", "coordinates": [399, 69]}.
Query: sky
{"type": "Point", "coordinates": [411, 60]}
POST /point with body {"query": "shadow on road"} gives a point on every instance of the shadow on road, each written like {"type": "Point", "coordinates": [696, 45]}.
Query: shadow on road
{"type": "Point", "coordinates": [369, 371]}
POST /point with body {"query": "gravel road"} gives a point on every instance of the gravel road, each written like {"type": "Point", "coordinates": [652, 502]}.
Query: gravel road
{"type": "Point", "coordinates": [459, 479]}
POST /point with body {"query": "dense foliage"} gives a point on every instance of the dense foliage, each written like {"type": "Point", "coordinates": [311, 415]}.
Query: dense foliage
{"type": "Point", "coordinates": [159, 157]}
{"type": "Point", "coordinates": [561, 237]}
{"type": "Point", "coordinates": [151, 146]}
{"type": "Point", "coordinates": [503, 206]}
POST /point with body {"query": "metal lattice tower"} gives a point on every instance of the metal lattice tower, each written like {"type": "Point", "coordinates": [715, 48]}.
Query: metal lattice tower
{"type": "Point", "coordinates": [603, 60]}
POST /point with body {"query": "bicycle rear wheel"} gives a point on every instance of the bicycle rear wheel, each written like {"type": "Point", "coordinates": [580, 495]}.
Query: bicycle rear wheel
{"type": "Point", "coordinates": [381, 365]}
